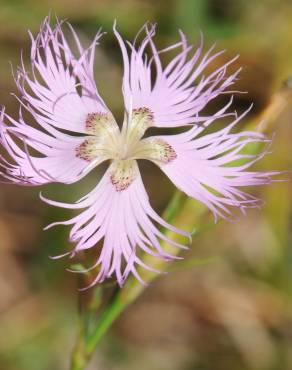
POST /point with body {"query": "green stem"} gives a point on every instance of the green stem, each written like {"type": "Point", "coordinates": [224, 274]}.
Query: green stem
{"type": "Point", "coordinates": [79, 358]}
{"type": "Point", "coordinates": [113, 310]}
{"type": "Point", "coordinates": [86, 345]}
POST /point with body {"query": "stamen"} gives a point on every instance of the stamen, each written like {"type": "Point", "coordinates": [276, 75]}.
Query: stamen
{"type": "Point", "coordinates": [164, 151]}
{"type": "Point", "coordinates": [101, 123]}
{"type": "Point", "coordinates": [141, 119]}
{"type": "Point", "coordinates": [156, 150]}
{"type": "Point", "coordinates": [104, 140]}
{"type": "Point", "coordinates": [123, 174]}
{"type": "Point", "coordinates": [144, 113]}
{"type": "Point", "coordinates": [87, 150]}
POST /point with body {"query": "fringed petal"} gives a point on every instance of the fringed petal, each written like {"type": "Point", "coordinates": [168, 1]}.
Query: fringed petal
{"type": "Point", "coordinates": [125, 223]}
{"type": "Point", "coordinates": [60, 90]}
{"type": "Point", "coordinates": [57, 160]}
{"type": "Point", "coordinates": [58, 93]}
{"type": "Point", "coordinates": [212, 168]}
{"type": "Point", "coordinates": [180, 90]}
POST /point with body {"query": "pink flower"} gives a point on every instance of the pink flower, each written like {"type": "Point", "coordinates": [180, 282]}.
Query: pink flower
{"type": "Point", "coordinates": [60, 94]}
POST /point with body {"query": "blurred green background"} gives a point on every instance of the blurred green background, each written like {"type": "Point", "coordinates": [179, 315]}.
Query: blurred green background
{"type": "Point", "coordinates": [233, 313]}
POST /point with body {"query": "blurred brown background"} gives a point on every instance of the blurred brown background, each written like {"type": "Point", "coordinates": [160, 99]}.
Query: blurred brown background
{"type": "Point", "coordinates": [232, 313]}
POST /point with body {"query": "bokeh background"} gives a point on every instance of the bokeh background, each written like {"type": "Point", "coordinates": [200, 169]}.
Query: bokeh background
{"type": "Point", "coordinates": [234, 312]}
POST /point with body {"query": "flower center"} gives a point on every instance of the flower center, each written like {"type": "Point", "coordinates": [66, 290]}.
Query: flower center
{"type": "Point", "coordinates": [106, 141]}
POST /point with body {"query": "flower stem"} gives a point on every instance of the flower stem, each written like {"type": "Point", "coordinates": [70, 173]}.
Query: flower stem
{"type": "Point", "coordinates": [115, 307]}
{"type": "Point", "coordinates": [79, 358]}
